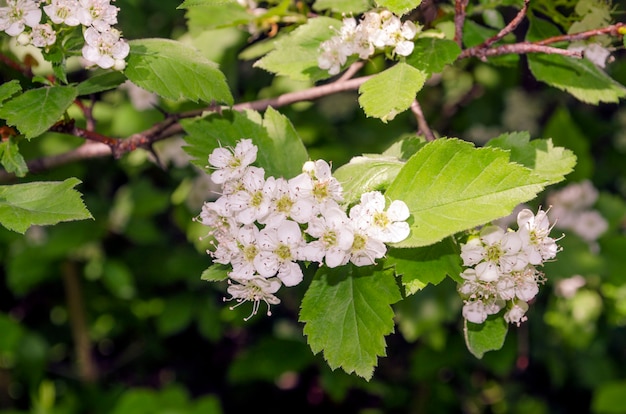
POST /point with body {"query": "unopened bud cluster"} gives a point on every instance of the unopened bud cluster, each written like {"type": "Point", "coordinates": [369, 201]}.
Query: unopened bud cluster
{"type": "Point", "coordinates": [502, 268]}
{"type": "Point", "coordinates": [377, 30]}
{"type": "Point", "coordinates": [104, 45]}
{"type": "Point", "coordinates": [264, 226]}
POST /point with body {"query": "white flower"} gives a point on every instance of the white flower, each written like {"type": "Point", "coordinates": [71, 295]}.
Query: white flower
{"type": "Point", "coordinates": [97, 13]}
{"type": "Point", "coordinates": [534, 231]}
{"type": "Point", "coordinates": [590, 225]}
{"type": "Point", "coordinates": [43, 35]}
{"type": "Point", "coordinates": [568, 287]}
{"type": "Point", "coordinates": [17, 14]}
{"type": "Point", "coordinates": [106, 50]}
{"type": "Point", "coordinates": [475, 311]}
{"type": "Point", "coordinates": [334, 238]}
{"type": "Point", "coordinates": [333, 55]}
{"type": "Point", "coordinates": [252, 201]}
{"type": "Point", "coordinates": [516, 313]}
{"type": "Point", "coordinates": [324, 185]}
{"type": "Point", "coordinates": [387, 226]}
{"type": "Point", "coordinates": [286, 202]}
{"type": "Point", "coordinates": [279, 251]}
{"type": "Point", "coordinates": [243, 259]}
{"type": "Point", "coordinates": [365, 249]}
{"type": "Point", "coordinates": [231, 163]}
{"type": "Point", "coordinates": [63, 12]}
{"type": "Point", "coordinates": [255, 290]}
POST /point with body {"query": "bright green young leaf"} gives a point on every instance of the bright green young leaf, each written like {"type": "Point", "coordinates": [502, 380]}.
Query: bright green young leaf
{"type": "Point", "coordinates": [579, 77]}
{"type": "Point", "coordinates": [296, 54]}
{"type": "Point", "coordinates": [540, 155]}
{"type": "Point", "coordinates": [404, 147]}
{"type": "Point", "coordinates": [485, 337]}
{"type": "Point", "coordinates": [363, 174]}
{"type": "Point", "coordinates": [8, 89]}
{"type": "Point", "coordinates": [206, 134]}
{"type": "Point", "coordinates": [11, 159]}
{"type": "Point", "coordinates": [215, 273]}
{"type": "Point", "coordinates": [40, 203]}
{"type": "Point", "coordinates": [451, 186]}
{"type": "Point", "coordinates": [343, 6]}
{"type": "Point", "coordinates": [347, 313]}
{"type": "Point", "coordinates": [391, 91]}
{"type": "Point", "coordinates": [431, 54]}
{"type": "Point", "coordinates": [399, 7]}
{"type": "Point", "coordinates": [425, 265]}
{"type": "Point", "coordinates": [36, 110]}
{"type": "Point", "coordinates": [174, 70]}
{"type": "Point", "coordinates": [101, 82]}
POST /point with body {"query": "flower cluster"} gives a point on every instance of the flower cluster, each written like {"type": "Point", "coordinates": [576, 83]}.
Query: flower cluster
{"type": "Point", "coordinates": [375, 31]}
{"type": "Point", "coordinates": [264, 226]}
{"type": "Point", "coordinates": [104, 45]}
{"type": "Point", "coordinates": [502, 267]}
{"type": "Point", "coordinates": [572, 210]}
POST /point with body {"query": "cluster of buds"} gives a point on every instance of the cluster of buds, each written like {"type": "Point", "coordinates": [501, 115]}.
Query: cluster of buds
{"type": "Point", "coordinates": [376, 31]}
{"type": "Point", "coordinates": [264, 227]}
{"type": "Point", "coordinates": [104, 45]}
{"type": "Point", "coordinates": [502, 267]}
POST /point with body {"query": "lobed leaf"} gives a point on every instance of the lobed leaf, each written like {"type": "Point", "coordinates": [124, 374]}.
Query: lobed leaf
{"type": "Point", "coordinates": [11, 159]}
{"type": "Point", "coordinates": [399, 7]}
{"type": "Point", "coordinates": [8, 89]}
{"type": "Point", "coordinates": [391, 91]}
{"type": "Point", "coordinates": [215, 273]}
{"type": "Point", "coordinates": [36, 110]}
{"type": "Point", "coordinates": [175, 71]}
{"type": "Point", "coordinates": [431, 54]}
{"type": "Point", "coordinates": [296, 55]}
{"type": "Point", "coordinates": [40, 203]}
{"type": "Point", "coordinates": [451, 186]}
{"type": "Point", "coordinates": [101, 82]}
{"type": "Point", "coordinates": [347, 313]}
{"type": "Point", "coordinates": [487, 336]}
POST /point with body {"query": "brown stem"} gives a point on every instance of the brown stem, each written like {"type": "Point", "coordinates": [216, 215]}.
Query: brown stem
{"type": "Point", "coordinates": [517, 49]}
{"type": "Point", "coordinates": [423, 127]}
{"type": "Point", "coordinates": [613, 30]}
{"type": "Point", "coordinates": [87, 370]}
{"type": "Point", "coordinates": [459, 20]}
{"type": "Point", "coordinates": [509, 27]}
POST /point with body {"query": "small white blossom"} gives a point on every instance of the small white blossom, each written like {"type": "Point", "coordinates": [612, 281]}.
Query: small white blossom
{"type": "Point", "coordinates": [107, 49]}
{"type": "Point", "coordinates": [255, 290]}
{"type": "Point", "coordinates": [387, 226]}
{"type": "Point", "coordinates": [99, 14]}
{"type": "Point", "coordinates": [17, 14]}
{"type": "Point", "coordinates": [63, 12]}
{"type": "Point", "coordinates": [43, 35]}
{"type": "Point", "coordinates": [516, 314]}
{"type": "Point", "coordinates": [231, 163]}
{"type": "Point", "coordinates": [279, 251]}
{"type": "Point", "coordinates": [334, 238]}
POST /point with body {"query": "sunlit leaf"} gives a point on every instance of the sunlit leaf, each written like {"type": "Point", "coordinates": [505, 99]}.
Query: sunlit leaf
{"type": "Point", "coordinates": [11, 159]}
{"type": "Point", "coordinates": [399, 6]}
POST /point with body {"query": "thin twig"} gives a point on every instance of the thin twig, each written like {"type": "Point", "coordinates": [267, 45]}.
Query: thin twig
{"type": "Point", "coordinates": [352, 70]}
{"type": "Point", "coordinates": [521, 48]}
{"type": "Point", "coordinates": [509, 27]}
{"type": "Point", "coordinates": [459, 20]}
{"type": "Point", "coordinates": [613, 30]}
{"type": "Point", "coordinates": [423, 127]}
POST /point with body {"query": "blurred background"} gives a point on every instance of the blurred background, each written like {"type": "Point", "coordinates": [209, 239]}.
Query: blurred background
{"type": "Point", "coordinates": [110, 315]}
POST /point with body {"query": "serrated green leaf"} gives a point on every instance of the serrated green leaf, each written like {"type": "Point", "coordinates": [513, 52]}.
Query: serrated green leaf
{"type": "Point", "coordinates": [347, 314]}
{"type": "Point", "coordinates": [540, 155]}
{"type": "Point", "coordinates": [101, 82]}
{"type": "Point", "coordinates": [36, 110]}
{"type": "Point", "coordinates": [40, 203]}
{"type": "Point", "coordinates": [8, 89]}
{"type": "Point", "coordinates": [405, 147]}
{"type": "Point", "coordinates": [485, 337]}
{"type": "Point", "coordinates": [579, 77]}
{"type": "Point", "coordinates": [431, 54]}
{"type": "Point", "coordinates": [343, 6]}
{"type": "Point", "coordinates": [11, 159]}
{"type": "Point", "coordinates": [296, 55]}
{"type": "Point", "coordinates": [215, 273]}
{"type": "Point", "coordinates": [451, 186]}
{"type": "Point", "coordinates": [425, 265]}
{"type": "Point", "coordinates": [363, 174]}
{"type": "Point", "coordinates": [391, 91]}
{"type": "Point", "coordinates": [175, 71]}
{"type": "Point", "coordinates": [399, 7]}
{"type": "Point", "coordinates": [195, 3]}
{"type": "Point", "coordinates": [206, 134]}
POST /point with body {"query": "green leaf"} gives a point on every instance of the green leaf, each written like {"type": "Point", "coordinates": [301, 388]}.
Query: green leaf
{"type": "Point", "coordinates": [431, 54]}
{"type": "Point", "coordinates": [405, 147]}
{"type": "Point", "coordinates": [36, 110]}
{"type": "Point", "coordinates": [11, 159]}
{"type": "Point", "coordinates": [206, 134]}
{"type": "Point", "coordinates": [399, 7]}
{"type": "Point", "coordinates": [101, 82]}
{"type": "Point", "coordinates": [363, 174]}
{"type": "Point", "coordinates": [296, 55]}
{"type": "Point", "coordinates": [215, 273]}
{"type": "Point", "coordinates": [391, 91]}
{"type": "Point", "coordinates": [547, 161]}
{"type": "Point", "coordinates": [425, 265]}
{"type": "Point", "coordinates": [40, 203]}
{"type": "Point", "coordinates": [487, 336]}
{"type": "Point", "coordinates": [475, 34]}
{"type": "Point", "coordinates": [579, 77]}
{"type": "Point", "coordinates": [343, 6]}
{"type": "Point", "coordinates": [8, 89]}
{"type": "Point", "coordinates": [347, 313]}
{"type": "Point", "coordinates": [195, 3]}
{"type": "Point", "coordinates": [175, 71]}
{"type": "Point", "coordinates": [609, 398]}
{"type": "Point", "coordinates": [214, 16]}
{"type": "Point", "coordinates": [451, 186]}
